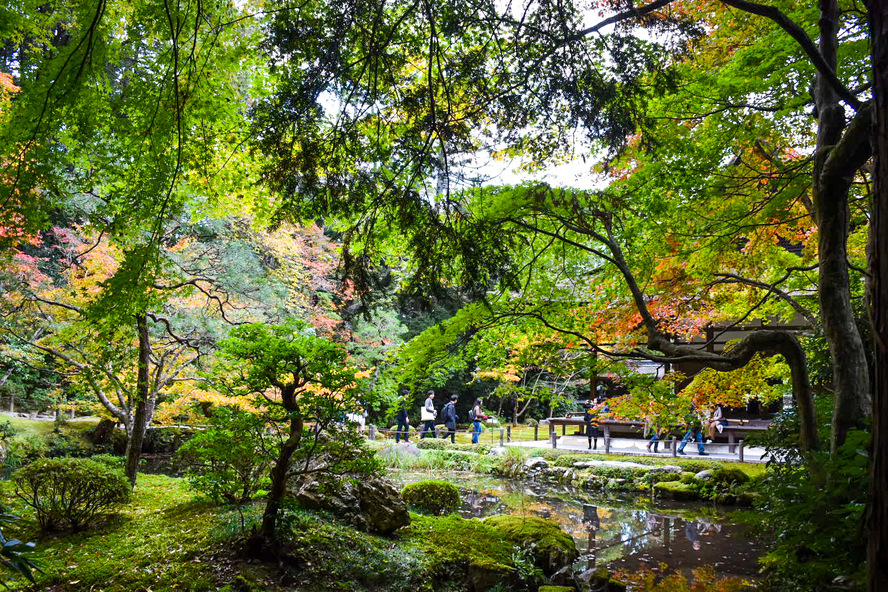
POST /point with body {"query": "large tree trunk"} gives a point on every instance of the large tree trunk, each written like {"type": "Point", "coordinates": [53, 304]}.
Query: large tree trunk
{"type": "Point", "coordinates": [877, 511]}
{"type": "Point", "coordinates": [142, 407]}
{"type": "Point", "coordinates": [830, 197]}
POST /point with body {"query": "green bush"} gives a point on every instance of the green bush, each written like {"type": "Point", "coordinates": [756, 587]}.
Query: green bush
{"type": "Point", "coordinates": [433, 497]}
{"type": "Point", "coordinates": [7, 430]}
{"type": "Point", "coordinates": [117, 463]}
{"type": "Point", "coordinates": [229, 462]}
{"type": "Point", "coordinates": [67, 493]}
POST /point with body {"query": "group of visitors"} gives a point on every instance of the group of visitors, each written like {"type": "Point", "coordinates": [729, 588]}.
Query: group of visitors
{"type": "Point", "coordinates": [693, 429]}
{"type": "Point", "coordinates": [429, 415]}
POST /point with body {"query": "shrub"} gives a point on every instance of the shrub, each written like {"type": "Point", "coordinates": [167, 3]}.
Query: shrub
{"type": "Point", "coordinates": [67, 493]}
{"type": "Point", "coordinates": [229, 462]}
{"type": "Point", "coordinates": [109, 460]}
{"type": "Point", "coordinates": [434, 497]}
{"type": "Point", "coordinates": [7, 430]}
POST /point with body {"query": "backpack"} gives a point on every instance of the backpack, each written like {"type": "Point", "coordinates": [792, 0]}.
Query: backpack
{"type": "Point", "coordinates": [472, 414]}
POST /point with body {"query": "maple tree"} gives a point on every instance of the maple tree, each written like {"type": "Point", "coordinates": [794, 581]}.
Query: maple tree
{"type": "Point", "coordinates": [301, 383]}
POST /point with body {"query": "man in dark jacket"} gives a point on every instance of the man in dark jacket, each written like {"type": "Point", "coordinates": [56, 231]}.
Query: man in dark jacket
{"type": "Point", "coordinates": [448, 414]}
{"type": "Point", "coordinates": [403, 419]}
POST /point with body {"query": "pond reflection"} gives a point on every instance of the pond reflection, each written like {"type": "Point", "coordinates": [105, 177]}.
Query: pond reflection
{"type": "Point", "coordinates": [618, 532]}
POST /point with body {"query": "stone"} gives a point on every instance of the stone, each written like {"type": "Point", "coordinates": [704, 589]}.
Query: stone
{"type": "Point", "coordinates": [536, 462]}
{"type": "Point", "coordinates": [497, 450]}
{"type": "Point", "coordinates": [704, 475]}
{"type": "Point", "coordinates": [589, 464]}
{"type": "Point", "coordinates": [666, 469]}
{"type": "Point", "coordinates": [485, 575]}
{"type": "Point", "coordinates": [368, 502]}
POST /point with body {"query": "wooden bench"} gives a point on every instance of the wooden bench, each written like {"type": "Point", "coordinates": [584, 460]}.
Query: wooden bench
{"type": "Point", "coordinates": [606, 425]}
{"type": "Point", "coordinates": [741, 428]}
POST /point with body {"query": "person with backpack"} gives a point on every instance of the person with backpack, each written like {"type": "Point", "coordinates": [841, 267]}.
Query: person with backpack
{"type": "Point", "coordinates": [403, 419]}
{"type": "Point", "coordinates": [448, 414]}
{"type": "Point", "coordinates": [694, 428]}
{"type": "Point", "coordinates": [476, 414]}
{"type": "Point", "coordinates": [429, 414]}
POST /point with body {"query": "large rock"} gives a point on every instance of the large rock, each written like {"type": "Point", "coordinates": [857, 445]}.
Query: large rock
{"type": "Point", "coordinates": [666, 469]}
{"type": "Point", "coordinates": [614, 464]}
{"type": "Point", "coordinates": [536, 462]}
{"type": "Point", "coordinates": [370, 503]}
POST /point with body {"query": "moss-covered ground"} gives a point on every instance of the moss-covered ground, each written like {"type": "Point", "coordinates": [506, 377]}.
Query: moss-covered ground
{"type": "Point", "coordinates": [166, 539]}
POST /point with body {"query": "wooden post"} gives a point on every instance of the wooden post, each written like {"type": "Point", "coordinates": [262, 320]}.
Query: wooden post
{"type": "Point", "coordinates": [554, 439]}
{"type": "Point", "coordinates": [672, 446]}
{"type": "Point", "coordinates": [607, 445]}
{"type": "Point", "coordinates": [741, 450]}
{"type": "Point", "coordinates": [509, 433]}
{"type": "Point", "coordinates": [536, 433]}
{"type": "Point", "coordinates": [502, 431]}
{"type": "Point", "coordinates": [563, 429]}
{"type": "Point", "coordinates": [372, 432]}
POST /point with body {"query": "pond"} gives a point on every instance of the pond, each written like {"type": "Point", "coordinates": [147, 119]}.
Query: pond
{"type": "Point", "coordinates": [618, 532]}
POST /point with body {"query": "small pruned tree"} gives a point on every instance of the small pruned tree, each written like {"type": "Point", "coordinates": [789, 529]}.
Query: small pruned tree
{"type": "Point", "coordinates": [303, 387]}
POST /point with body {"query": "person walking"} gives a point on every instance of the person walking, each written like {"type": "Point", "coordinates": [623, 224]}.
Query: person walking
{"type": "Point", "coordinates": [590, 420]}
{"type": "Point", "coordinates": [403, 419]}
{"type": "Point", "coordinates": [476, 414]}
{"type": "Point", "coordinates": [429, 415]}
{"type": "Point", "coordinates": [448, 414]}
{"type": "Point", "coordinates": [694, 428]}
{"type": "Point", "coordinates": [655, 439]}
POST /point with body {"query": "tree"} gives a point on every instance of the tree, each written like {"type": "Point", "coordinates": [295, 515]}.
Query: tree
{"type": "Point", "coordinates": [877, 510]}
{"type": "Point", "coordinates": [413, 82]}
{"type": "Point", "coordinates": [303, 384]}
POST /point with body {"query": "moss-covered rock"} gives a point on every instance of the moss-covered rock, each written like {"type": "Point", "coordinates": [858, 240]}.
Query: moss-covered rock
{"type": "Point", "coordinates": [688, 477]}
{"type": "Point", "coordinates": [728, 474]}
{"type": "Point", "coordinates": [556, 589]}
{"type": "Point", "coordinates": [676, 490]}
{"type": "Point", "coordinates": [552, 547]}
{"type": "Point", "coordinates": [457, 549]}
{"type": "Point", "coordinates": [434, 497]}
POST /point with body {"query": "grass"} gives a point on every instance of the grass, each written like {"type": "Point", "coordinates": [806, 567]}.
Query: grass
{"type": "Point", "coordinates": [30, 428]}
{"type": "Point", "coordinates": [163, 540]}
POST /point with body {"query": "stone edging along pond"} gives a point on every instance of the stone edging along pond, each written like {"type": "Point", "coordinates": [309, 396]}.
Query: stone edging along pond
{"type": "Point", "coordinates": [692, 481]}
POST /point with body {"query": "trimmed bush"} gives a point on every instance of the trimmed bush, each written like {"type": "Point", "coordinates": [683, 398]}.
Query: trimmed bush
{"type": "Point", "coordinates": [68, 493]}
{"type": "Point", "coordinates": [433, 497]}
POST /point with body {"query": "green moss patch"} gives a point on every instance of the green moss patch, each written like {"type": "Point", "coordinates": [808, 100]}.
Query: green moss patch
{"type": "Point", "coordinates": [434, 497]}
{"type": "Point", "coordinates": [676, 490]}
{"type": "Point", "coordinates": [552, 547]}
{"type": "Point", "coordinates": [454, 546]}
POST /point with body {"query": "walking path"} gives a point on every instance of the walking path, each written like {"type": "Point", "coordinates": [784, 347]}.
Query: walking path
{"type": "Point", "coordinates": [637, 447]}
